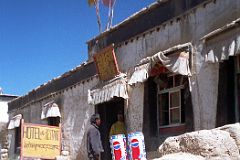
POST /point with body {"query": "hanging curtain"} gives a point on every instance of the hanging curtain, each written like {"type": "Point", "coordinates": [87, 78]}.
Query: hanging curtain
{"type": "Point", "coordinates": [177, 62]}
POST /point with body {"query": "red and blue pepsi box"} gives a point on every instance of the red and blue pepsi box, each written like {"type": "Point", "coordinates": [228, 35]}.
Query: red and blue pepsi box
{"type": "Point", "coordinates": [136, 146]}
{"type": "Point", "coordinates": [118, 147]}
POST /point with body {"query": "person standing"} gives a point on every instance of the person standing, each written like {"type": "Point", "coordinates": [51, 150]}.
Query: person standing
{"type": "Point", "coordinates": [118, 127]}
{"type": "Point", "coordinates": [94, 143]}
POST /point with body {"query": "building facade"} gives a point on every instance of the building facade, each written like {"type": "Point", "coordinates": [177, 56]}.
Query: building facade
{"type": "Point", "coordinates": [170, 68]}
{"type": "Point", "coordinates": [4, 99]}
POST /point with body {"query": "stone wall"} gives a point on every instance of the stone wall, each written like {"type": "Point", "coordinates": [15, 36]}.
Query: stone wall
{"type": "Point", "coordinates": [3, 141]}
{"type": "Point", "coordinates": [75, 120]}
{"type": "Point", "coordinates": [189, 27]}
{"type": "Point", "coordinates": [134, 119]}
{"type": "Point", "coordinates": [75, 112]}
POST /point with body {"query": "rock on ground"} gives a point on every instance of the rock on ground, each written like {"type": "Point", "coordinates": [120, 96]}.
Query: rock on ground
{"type": "Point", "coordinates": [180, 156]}
{"type": "Point", "coordinates": [215, 144]}
{"type": "Point", "coordinates": [234, 130]}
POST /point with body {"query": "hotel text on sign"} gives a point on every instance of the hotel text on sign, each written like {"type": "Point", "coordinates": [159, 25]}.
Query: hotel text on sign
{"type": "Point", "coordinates": [106, 63]}
{"type": "Point", "coordinates": [40, 141]}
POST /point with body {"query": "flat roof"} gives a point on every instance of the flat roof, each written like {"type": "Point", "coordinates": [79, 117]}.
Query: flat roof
{"type": "Point", "coordinates": [8, 95]}
{"type": "Point", "coordinates": [130, 18]}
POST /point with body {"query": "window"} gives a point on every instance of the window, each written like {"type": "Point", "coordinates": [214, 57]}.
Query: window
{"type": "Point", "coordinates": [53, 121]}
{"type": "Point", "coordinates": [170, 99]}
{"type": "Point", "coordinates": [17, 140]}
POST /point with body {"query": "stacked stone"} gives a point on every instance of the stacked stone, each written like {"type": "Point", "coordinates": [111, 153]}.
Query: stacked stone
{"type": "Point", "coordinates": [64, 156]}
{"type": "Point", "coordinates": [3, 142]}
{"type": "Point", "coordinates": [4, 154]}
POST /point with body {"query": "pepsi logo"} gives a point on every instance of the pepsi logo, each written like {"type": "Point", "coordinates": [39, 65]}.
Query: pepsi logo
{"type": "Point", "coordinates": [134, 143]}
{"type": "Point", "coordinates": [116, 145]}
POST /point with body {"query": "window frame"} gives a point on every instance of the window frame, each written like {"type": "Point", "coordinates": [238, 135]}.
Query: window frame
{"type": "Point", "coordinates": [172, 108]}
{"type": "Point", "coordinates": [173, 89]}
{"type": "Point", "coordinates": [54, 121]}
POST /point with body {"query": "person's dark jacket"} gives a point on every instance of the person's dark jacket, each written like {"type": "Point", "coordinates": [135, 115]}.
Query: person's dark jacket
{"type": "Point", "coordinates": [94, 144]}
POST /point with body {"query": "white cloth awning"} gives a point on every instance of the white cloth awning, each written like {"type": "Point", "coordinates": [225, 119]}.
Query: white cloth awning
{"type": "Point", "coordinates": [222, 44]}
{"type": "Point", "coordinates": [140, 74]}
{"type": "Point", "coordinates": [15, 121]}
{"type": "Point", "coordinates": [50, 109]}
{"type": "Point", "coordinates": [178, 63]}
{"type": "Point", "coordinates": [116, 87]}
{"type": "Point", "coordinates": [221, 50]}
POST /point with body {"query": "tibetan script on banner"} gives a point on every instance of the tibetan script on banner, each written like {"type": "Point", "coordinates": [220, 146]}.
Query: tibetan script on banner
{"type": "Point", "coordinates": [40, 141]}
{"type": "Point", "coordinates": [106, 63]}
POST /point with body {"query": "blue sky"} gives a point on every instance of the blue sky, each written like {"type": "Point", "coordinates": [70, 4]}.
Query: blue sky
{"type": "Point", "coordinates": [42, 39]}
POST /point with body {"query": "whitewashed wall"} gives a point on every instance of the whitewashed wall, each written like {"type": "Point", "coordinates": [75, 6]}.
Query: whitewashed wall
{"type": "Point", "coordinates": [4, 112]}
{"type": "Point", "coordinates": [134, 109]}
{"type": "Point", "coordinates": [31, 114]}
{"type": "Point", "coordinates": [191, 27]}
{"type": "Point", "coordinates": [75, 113]}
{"type": "Point", "coordinates": [3, 122]}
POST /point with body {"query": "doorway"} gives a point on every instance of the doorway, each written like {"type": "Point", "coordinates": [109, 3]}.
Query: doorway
{"type": "Point", "coordinates": [226, 95]}
{"type": "Point", "coordinates": [108, 113]}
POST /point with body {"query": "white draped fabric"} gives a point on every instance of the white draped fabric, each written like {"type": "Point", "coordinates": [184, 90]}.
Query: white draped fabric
{"type": "Point", "coordinates": [140, 74]}
{"type": "Point", "coordinates": [117, 87]}
{"type": "Point", "coordinates": [50, 109]}
{"type": "Point", "coordinates": [15, 121]}
{"type": "Point", "coordinates": [223, 42]}
{"type": "Point", "coordinates": [178, 63]}
{"type": "Point", "coordinates": [219, 49]}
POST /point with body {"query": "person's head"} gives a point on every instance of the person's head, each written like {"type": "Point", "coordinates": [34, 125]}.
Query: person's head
{"type": "Point", "coordinates": [95, 119]}
{"type": "Point", "coordinates": [120, 116]}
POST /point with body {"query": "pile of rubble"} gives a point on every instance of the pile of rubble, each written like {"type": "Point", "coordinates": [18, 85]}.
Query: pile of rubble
{"type": "Point", "coordinates": [4, 154]}
{"type": "Point", "coordinates": [3, 142]}
{"type": "Point", "coordinates": [215, 144]}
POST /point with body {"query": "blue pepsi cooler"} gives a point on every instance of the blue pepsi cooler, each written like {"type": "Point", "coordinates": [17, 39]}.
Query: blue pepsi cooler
{"type": "Point", "coordinates": [136, 146]}
{"type": "Point", "coordinates": [118, 147]}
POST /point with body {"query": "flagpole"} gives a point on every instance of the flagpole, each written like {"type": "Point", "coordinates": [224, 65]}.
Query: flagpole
{"type": "Point", "coordinates": [111, 4]}
{"type": "Point", "coordinates": [96, 2]}
{"type": "Point", "coordinates": [114, 1]}
{"type": "Point", "coordinates": [109, 15]}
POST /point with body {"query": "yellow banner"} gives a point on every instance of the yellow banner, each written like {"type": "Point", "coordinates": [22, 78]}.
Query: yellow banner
{"type": "Point", "coordinates": [106, 63]}
{"type": "Point", "coordinates": [40, 141]}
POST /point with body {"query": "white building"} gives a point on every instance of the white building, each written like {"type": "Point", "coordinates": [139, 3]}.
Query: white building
{"type": "Point", "coordinates": [4, 99]}
{"type": "Point", "coordinates": [197, 41]}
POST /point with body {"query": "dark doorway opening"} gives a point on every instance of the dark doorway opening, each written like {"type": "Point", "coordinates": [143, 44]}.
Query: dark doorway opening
{"type": "Point", "coordinates": [108, 113]}
{"type": "Point", "coordinates": [226, 97]}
